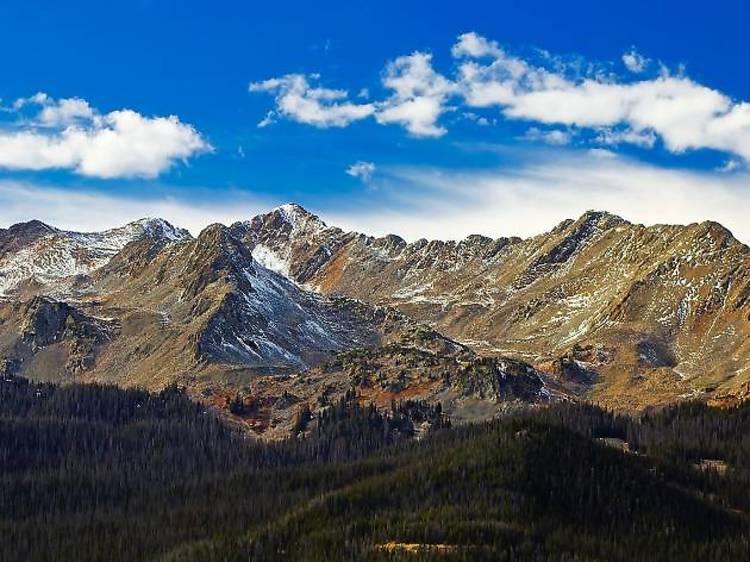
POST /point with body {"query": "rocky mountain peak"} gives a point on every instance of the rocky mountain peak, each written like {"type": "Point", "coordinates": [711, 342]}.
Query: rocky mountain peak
{"type": "Point", "coordinates": [214, 254]}
{"type": "Point", "coordinates": [298, 216]}
{"type": "Point", "coordinates": [570, 237]}
{"type": "Point", "coordinates": [275, 237]}
{"type": "Point", "coordinates": [292, 219]}
{"type": "Point", "coordinates": [717, 232]}
{"type": "Point", "coordinates": [636, 315]}
{"type": "Point", "coordinates": [21, 234]}
{"type": "Point", "coordinates": [601, 219]}
{"type": "Point", "coordinates": [159, 229]}
{"type": "Point", "coordinates": [47, 258]}
{"type": "Point", "coordinates": [33, 226]}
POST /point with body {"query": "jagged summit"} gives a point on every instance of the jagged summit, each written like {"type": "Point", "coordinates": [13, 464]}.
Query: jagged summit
{"type": "Point", "coordinates": [590, 218]}
{"type": "Point", "coordinates": [158, 228]}
{"type": "Point", "coordinates": [645, 297]}
{"type": "Point", "coordinates": [39, 255]}
{"type": "Point", "coordinates": [33, 225]}
{"type": "Point", "coordinates": [626, 314]}
{"type": "Point", "coordinates": [601, 218]}
{"type": "Point", "coordinates": [293, 209]}
{"type": "Point", "coordinates": [297, 218]}
{"type": "Point", "coordinates": [20, 234]}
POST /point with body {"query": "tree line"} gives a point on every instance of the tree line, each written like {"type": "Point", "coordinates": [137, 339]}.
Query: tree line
{"type": "Point", "coordinates": [92, 472]}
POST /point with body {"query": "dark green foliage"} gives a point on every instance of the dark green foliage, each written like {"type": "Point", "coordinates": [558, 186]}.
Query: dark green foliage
{"type": "Point", "coordinates": [678, 436]}
{"type": "Point", "coordinates": [100, 473]}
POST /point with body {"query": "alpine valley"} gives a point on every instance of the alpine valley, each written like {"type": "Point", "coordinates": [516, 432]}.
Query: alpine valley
{"type": "Point", "coordinates": [283, 314]}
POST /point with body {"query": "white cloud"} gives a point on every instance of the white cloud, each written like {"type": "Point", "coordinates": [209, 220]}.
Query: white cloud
{"type": "Point", "coordinates": [646, 138]}
{"type": "Point", "coordinates": [544, 190]}
{"type": "Point", "coordinates": [474, 45]}
{"type": "Point", "coordinates": [634, 61]}
{"type": "Point", "coordinates": [70, 134]}
{"type": "Point", "coordinates": [61, 113]}
{"type": "Point", "coordinates": [554, 136]}
{"type": "Point", "coordinates": [267, 120]}
{"type": "Point", "coordinates": [417, 101]}
{"type": "Point", "coordinates": [40, 98]}
{"type": "Point", "coordinates": [81, 210]}
{"type": "Point", "coordinates": [478, 119]}
{"type": "Point", "coordinates": [362, 170]}
{"type": "Point", "coordinates": [731, 165]}
{"type": "Point", "coordinates": [298, 101]}
{"type": "Point", "coordinates": [419, 95]}
{"type": "Point", "coordinates": [684, 114]}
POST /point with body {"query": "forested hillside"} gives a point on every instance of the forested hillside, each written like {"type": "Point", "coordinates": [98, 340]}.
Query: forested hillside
{"type": "Point", "coordinates": [100, 473]}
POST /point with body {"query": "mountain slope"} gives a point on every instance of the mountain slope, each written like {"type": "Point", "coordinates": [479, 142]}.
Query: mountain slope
{"type": "Point", "coordinates": [642, 315]}
{"type": "Point", "coordinates": [35, 257]}
{"type": "Point", "coordinates": [622, 314]}
{"type": "Point", "coordinates": [94, 472]}
{"type": "Point", "coordinates": [206, 314]}
{"type": "Point", "coordinates": [198, 304]}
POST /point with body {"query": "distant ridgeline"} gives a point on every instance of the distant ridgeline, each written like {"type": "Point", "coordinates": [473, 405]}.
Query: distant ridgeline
{"type": "Point", "coordinates": [92, 472]}
{"type": "Point", "coordinates": [283, 310]}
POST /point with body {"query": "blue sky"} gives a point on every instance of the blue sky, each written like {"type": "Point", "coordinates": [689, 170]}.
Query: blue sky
{"type": "Point", "coordinates": [431, 119]}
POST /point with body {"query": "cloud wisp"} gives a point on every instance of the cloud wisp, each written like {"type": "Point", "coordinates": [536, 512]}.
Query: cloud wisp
{"type": "Point", "coordinates": [88, 210]}
{"type": "Point", "coordinates": [362, 170]}
{"type": "Point", "coordinates": [637, 109]}
{"type": "Point", "coordinates": [547, 188]}
{"type": "Point", "coordinates": [634, 61]}
{"type": "Point", "coordinates": [70, 134]}
{"type": "Point", "coordinates": [525, 199]}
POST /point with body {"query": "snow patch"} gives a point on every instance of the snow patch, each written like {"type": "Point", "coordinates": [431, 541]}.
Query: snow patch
{"type": "Point", "coordinates": [269, 259]}
{"type": "Point", "coordinates": [61, 254]}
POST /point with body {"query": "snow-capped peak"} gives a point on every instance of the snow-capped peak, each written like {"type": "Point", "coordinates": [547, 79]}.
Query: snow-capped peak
{"type": "Point", "coordinates": [58, 254]}
{"type": "Point", "coordinates": [158, 228]}
{"type": "Point", "coordinates": [299, 218]}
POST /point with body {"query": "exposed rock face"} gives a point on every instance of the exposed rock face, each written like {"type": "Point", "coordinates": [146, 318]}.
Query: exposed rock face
{"type": "Point", "coordinates": [672, 302]}
{"type": "Point", "coordinates": [263, 319]}
{"type": "Point", "coordinates": [213, 309]}
{"type": "Point", "coordinates": [286, 312]}
{"type": "Point", "coordinates": [50, 339]}
{"type": "Point", "coordinates": [38, 258]}
{"type": "Point", "coordinates": [198, 311]}
{"type": "Point", "coordinates": [22, 234]}
{"type": "Point", "coordinates": [417, 364]}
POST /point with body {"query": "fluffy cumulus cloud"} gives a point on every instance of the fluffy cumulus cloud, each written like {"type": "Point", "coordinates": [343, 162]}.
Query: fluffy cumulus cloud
{"type": "Point", "coordinates": [299, 101]}
{"type": "Point", "coordinates": [417, 100]}
{"type": "Point", "coordinates": [70, 134]}
{"type": "Point", "coordinates": [419, 95]}
{"type": "Point", "coordinates": [636, 109]}
{"type": "Point", "coordinates": [474, 45]}
{"type": "Point", "coordinates": [362, 170]}
{"type": "Point", "coordinates": [646, 138]}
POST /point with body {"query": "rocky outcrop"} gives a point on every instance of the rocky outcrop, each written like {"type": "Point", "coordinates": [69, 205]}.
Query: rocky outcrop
{"type": "Point", "coordinates": [45, 328]}
{"type": "Point", "coordinates": [38, 259]}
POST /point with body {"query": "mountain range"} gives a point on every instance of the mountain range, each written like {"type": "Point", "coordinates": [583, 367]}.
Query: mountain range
{"type": "Point", "coordinates": [270, 316]}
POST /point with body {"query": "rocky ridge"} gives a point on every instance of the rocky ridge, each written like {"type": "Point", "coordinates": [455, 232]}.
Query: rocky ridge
{"type": "Point", "coordinates": [35, 257]}
{"type": "Point", "coordinates": [204, 313]}
{"type": "Point", "coordinates": [665, 308]}
{"type": "Point", "coordinates": [282, 312]}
